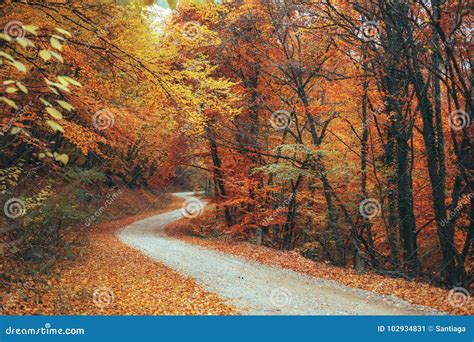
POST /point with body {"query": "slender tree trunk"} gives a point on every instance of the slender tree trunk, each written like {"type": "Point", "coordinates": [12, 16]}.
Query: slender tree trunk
{"type": "Point", "coordinates": [363, 164]}
{"type": "Point", "coordinates": [290, 217]}
{"type": "Point", "coordinates": [332, 217]}
{"type": "Point", "coordinates": [217, 172]}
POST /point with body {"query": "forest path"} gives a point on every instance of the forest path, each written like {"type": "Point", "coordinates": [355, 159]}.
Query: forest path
{"type": "Point", "coordinates": [252, 287]}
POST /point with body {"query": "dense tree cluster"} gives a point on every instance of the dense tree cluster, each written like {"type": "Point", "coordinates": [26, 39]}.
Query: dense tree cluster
{"type": "Point", "coordinates": [342, 128]}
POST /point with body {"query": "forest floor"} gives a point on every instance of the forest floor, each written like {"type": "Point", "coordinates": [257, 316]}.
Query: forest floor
{"type": "Point", "coordinates": [132, 266]}
{"type": "Point", "coordinates": [110, 278]}
{"type": "Point", "coordinates": [253, 287]}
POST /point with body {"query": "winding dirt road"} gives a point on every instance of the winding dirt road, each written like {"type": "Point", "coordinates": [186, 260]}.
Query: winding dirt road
{"type": "Point", "coordinates": [251, 287]}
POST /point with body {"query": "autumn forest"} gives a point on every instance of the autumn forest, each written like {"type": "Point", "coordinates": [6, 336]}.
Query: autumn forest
{"type": "Point", "coordinates": [333, 138]}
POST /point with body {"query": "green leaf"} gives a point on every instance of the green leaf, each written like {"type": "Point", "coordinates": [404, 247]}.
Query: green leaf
{"type": "Point", "coordinates": [54, 113]}
{"type": "Point", "coordinates": [9, 102]}
{"type": "Point", "coordinates": [11, 90]}
{"type": "Point", "coordinates": [53, 90]}
{"type": "Point", "coordinates": [46, 103]}
{"type": "Point", "coordinates": [56, 43]}
{"type": "Point", "coordinates": [5, 37]}
{"type": "Point", "coordinates": [68, 80]}
{"type": "Point", "coordinates": [57, 56]}
{"type": "Point", "coordinates": [25, 42]}
{"type": "Point", "coordinates": [45, 54]}
{"type": "Point", "coordinates": [55, 126]}
{"type": "Point", "coordinates": [63, 31]}
{"type": "Point", "coordinates": [65, 105]}
{"type": "Point", "coordinates": [22, 87]}
{"type": "Point", "coordinates": [62, 87]}
{"type": "Point", "coordinates": [15, 130]}
{"type": "Point", "coordinates": [58, 37]}
{"type": "Point", "coordinates": [31, 29]}
{"type": "Point", "coordinates": [7, 56]}
{"type": "Point", "coordinates": [19, 65]}
{"type": "Point", "coordinates": [63, 158]}
{"type": "Point", "coordinates": [62, 80]}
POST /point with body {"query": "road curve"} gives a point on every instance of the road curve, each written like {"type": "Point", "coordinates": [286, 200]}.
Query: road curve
{"type": "Point", "coordinates": [254, 288]}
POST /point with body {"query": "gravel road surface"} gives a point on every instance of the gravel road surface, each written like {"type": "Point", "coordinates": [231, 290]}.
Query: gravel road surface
{"type": "Point", "coordinates": [255, 288]}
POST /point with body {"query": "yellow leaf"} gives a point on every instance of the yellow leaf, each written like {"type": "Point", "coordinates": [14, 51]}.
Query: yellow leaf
{"type": "Point", "coordinates": [68, 80]}
{"type": "Point", "coordinates": [63, 31]}
{"type": "Point", "coordinates": [54, 113]}
{"type": "Point", "coordinates": [63, 158]}
{"type": "Point", "coordinates": [57, 56]}
{"type": "Point", "coordinates": [58, 37]}
{"type": "Point", "coordinates": [11, 90]}
{"type": "Point", "coordinates": [19, 65]}
{"type": "Point", "coordinates": [55, 126]}
{"type": "Point", "coordinates": [56, 43]}
{"type": "Point", "coordinates": [30, 28]}
{"type": "Point", "coordinates": [46, 103]}
{"type": "Point", "coordinates": [5, 37]}
{"type": "Point", "coordinates": [45, 54]}
{"type": "Point", "coordinates": [7, 56]}
{"type": "Point", "coordinates": [22, 87]}
{"type": "Point", "coordinates": [15, 130]}
{"type": "Point", "coordinates": [62, 87]}
{"type": "Point", "coordinates": [9, 102]}
{"type": "Point", "coordinates": [65, 105]}
{"type": "Point", "coordinates": [53, 90]}
{"type": "Point", "coordinates": [25, 42]}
